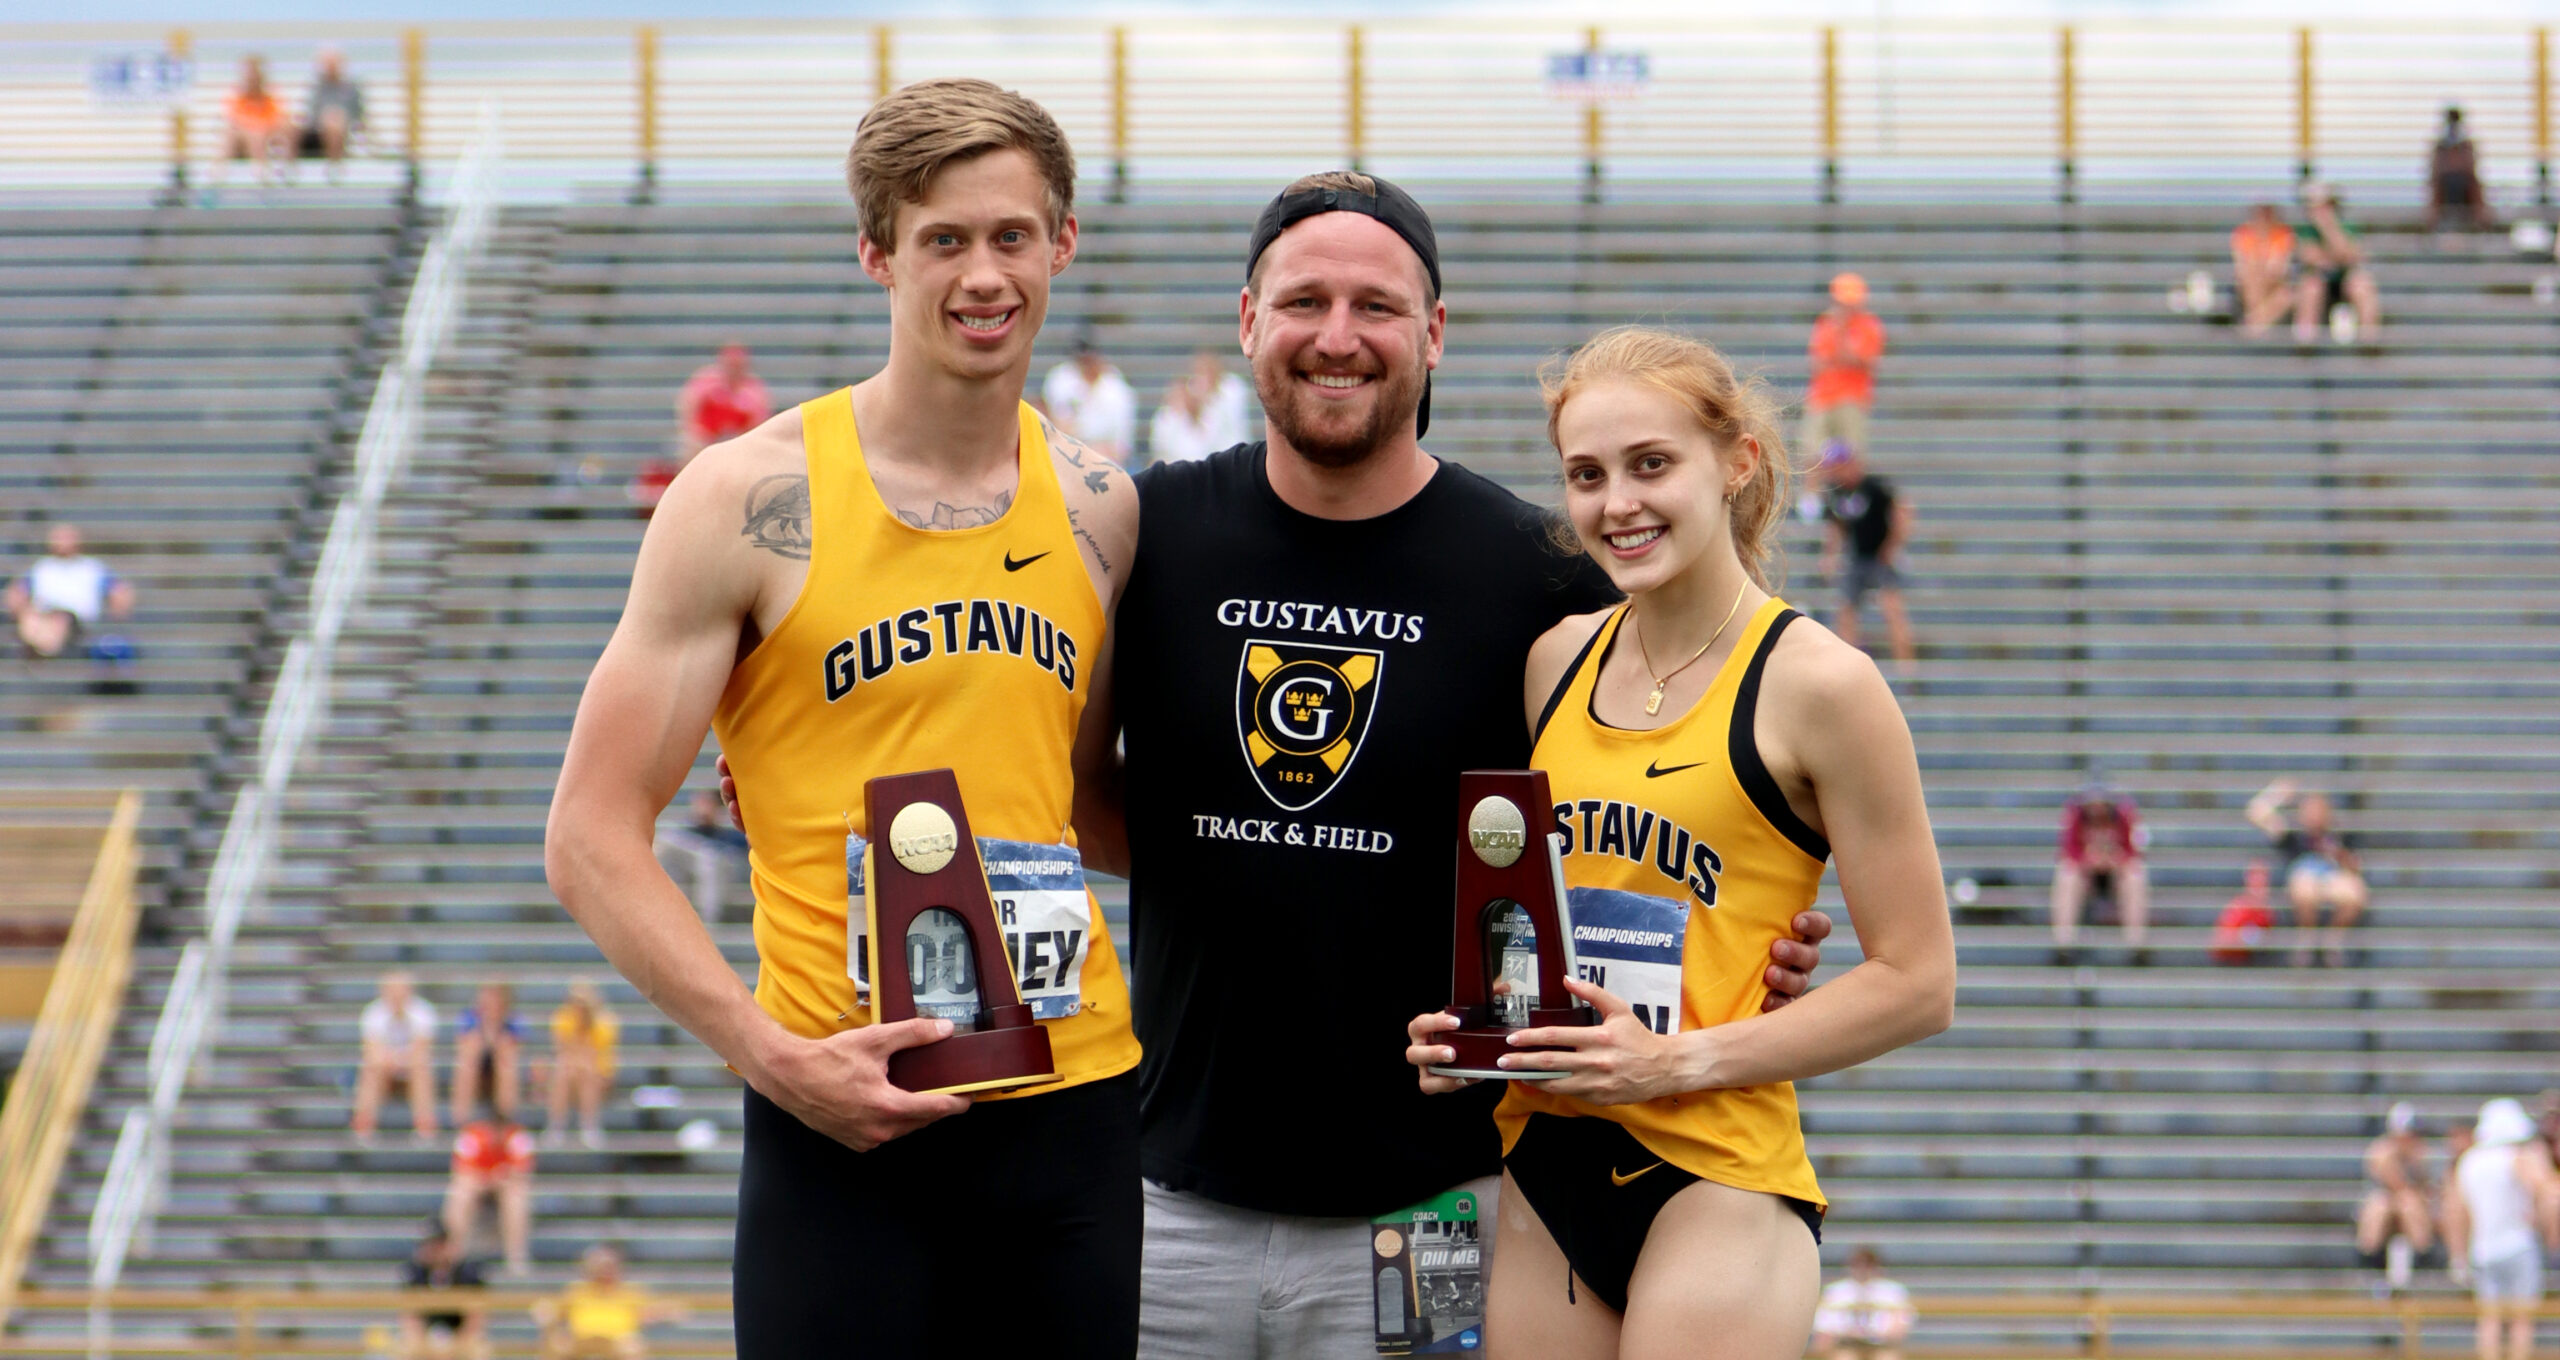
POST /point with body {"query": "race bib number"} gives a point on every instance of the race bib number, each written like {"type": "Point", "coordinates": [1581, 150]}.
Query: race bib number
{"type": "Point", "coordinates": [1426, 1264]}
{"type": "Point", "coordinates": [1630, 943]}
{"type": "Point", "coordinates": [1041, 908]}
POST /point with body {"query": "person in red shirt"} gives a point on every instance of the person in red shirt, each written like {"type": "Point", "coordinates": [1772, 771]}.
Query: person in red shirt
{"type": "Point", "coordinates": [1847, 342]}
{"type": "Point", "coordinates": [2246, 920]}
{"type": "Point", "coordinates": [722, 400]}
{"type": "Point", "coordinates": [2101, 852]}
{"type": "Point", "coordinates": [493, 1158]}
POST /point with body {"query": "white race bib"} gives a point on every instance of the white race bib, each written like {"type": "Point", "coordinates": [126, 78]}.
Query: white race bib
{"type": "Point", "coordinates": [1630, 943]}
{"type": "Point", "coordinates": [1042, 908]}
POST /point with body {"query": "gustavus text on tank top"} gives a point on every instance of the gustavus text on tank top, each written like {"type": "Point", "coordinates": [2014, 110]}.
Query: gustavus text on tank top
{"type": "Point", "coordinates": [1598, 826]}
{"type": "Point", "coordinates": [951, 628]}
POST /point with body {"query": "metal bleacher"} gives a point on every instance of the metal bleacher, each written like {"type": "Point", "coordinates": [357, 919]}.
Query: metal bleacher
{"type": "Point", "coordinates": [2146, 549]}
{"type": "Point", "coordinates": [174, 383]}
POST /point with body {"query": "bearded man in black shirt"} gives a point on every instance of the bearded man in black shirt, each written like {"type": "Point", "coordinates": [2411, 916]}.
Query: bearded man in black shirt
{"type": "Point", "coordinates": [1320, 631]}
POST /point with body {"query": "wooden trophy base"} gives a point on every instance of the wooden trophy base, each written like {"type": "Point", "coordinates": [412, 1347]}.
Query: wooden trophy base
{"type": "Point", "coordinates": [994, 1059]}
{"type": "Point", "coordinates": [1480, 1043]}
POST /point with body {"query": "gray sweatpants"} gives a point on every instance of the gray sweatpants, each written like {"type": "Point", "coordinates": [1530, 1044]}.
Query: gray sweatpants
{"type": "Point", "coordinates": [1223, 1283]}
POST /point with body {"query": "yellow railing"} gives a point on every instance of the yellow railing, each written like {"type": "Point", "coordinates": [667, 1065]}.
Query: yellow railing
{"type": "Point", "coordinates": [51, 1088]}
{"type": "Point", "coordinates": [250, 1323]}
{"type": "Point", "coordinates": [1424, 96]}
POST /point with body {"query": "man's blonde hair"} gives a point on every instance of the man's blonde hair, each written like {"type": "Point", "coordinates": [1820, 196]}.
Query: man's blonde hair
{"type": "Point", "coordinates": [917, 131]}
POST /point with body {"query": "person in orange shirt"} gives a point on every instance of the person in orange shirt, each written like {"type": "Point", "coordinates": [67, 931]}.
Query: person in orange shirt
{"type": "Point", "coordinates": [1847, 341]}
{"type": "Point", "coordinates": [258, 129]}
{"type": "Point", "coordinates": [493, 1159]}
{"type": "Point", "coordinates": [2262, 269]}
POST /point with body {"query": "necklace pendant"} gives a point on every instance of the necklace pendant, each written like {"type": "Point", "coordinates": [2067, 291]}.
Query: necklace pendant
{"type": "Point", "coordinates": [1653, 702]}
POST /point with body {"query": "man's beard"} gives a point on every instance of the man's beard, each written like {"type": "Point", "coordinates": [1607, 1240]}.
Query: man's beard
{"type": "Point", "coordinates": [1295, 414]}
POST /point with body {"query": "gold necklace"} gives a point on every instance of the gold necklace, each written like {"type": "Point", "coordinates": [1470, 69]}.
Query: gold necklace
{"type": "Point", "coordinates": [1653, 701]}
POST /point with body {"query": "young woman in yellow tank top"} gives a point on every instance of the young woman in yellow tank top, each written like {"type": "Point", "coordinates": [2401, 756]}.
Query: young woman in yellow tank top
{"type": "Point", "coordinates": [1709, 750]}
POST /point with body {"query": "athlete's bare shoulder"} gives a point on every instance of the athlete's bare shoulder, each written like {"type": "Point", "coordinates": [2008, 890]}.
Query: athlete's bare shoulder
{"type": "Point", "coordinates": [753, 490]}
{"type": "Point", "coordinates": [1102, 506]}
{"type": "Point", "coordinates": [1820, 700]}
{"type": "Point", "coordinates": [1812, 668]}
{"type": "Point", "coordinates": [1553, 652]}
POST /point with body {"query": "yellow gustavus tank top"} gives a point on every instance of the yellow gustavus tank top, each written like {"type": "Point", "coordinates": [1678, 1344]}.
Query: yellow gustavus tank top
{"type": "Point", "coordinates": [914, 649]}
{"type": "Point", "coordinates": [1683, 863]}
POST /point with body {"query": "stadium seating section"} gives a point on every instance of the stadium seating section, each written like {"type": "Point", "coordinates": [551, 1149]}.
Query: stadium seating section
{"type": "Point", "coordinates": [2145, 550]}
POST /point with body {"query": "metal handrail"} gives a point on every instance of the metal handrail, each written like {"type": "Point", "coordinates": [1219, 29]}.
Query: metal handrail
{"type": "Point", "coordinates": [137, 1177]}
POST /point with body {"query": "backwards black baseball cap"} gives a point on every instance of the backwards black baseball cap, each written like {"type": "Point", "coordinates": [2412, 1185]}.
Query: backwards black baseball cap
{"type": "Point", "coordinates": [1390, 205]}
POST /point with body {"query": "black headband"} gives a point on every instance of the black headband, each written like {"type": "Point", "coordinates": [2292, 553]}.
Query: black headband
{"type": "Point", "coordinates": [1390, 205]}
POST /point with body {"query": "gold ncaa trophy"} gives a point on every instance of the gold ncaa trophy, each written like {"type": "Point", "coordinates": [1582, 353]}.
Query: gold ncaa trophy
{"type": "Point", "coordinates": [1513, 949]}
{"type": "Point", "coordinates": [929, 893]}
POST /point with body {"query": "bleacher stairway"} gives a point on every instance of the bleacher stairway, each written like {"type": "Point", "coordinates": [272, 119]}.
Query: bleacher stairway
{"type": "Point", "coordinates": [2145, 549]}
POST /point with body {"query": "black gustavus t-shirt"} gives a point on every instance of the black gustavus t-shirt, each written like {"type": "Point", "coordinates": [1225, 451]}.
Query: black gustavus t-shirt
{"type": "Point", "coordinates": [1298, 697]}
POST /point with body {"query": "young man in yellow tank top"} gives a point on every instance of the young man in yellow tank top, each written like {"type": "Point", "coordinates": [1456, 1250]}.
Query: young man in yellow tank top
{"type": "Point", "coordinates": [911, 573]}
{"type": "Point", "coordinates": [1709, 750]}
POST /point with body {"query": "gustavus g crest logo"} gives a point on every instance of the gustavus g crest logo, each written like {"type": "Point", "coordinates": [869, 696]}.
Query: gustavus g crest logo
{"type": "Point", "coordinates": [1301, 712]}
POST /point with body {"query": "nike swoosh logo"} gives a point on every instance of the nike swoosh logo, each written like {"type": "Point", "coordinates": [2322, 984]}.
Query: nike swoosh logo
{"type": "Point", "coordinates": [1616, 1179]}
{"type": "Point", "coordinates": [1652, 771]}
{"type": "Point", "coordinates": [1011, 565]}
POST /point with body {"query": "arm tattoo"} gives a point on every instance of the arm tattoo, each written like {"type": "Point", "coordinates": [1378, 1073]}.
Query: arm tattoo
{"type": "Point", "coordinates": [778, 515]}
{"type": "Point", "coordinates": [1096, 468]}
{"type": "Point", "coordinates": [1090, 545]}
{"type": "Point", "coordinates": [948, 516]}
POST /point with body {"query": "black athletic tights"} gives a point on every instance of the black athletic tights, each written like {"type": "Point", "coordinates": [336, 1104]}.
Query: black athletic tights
{"type": "Point", "coordinates": [1012, 1226]}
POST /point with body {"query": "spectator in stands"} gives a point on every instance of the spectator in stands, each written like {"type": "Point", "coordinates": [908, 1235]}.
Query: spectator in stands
{"type": "Point", "coordinates": [2497, 1224]}
{"type": "Point", "coordinates": [2246, 919]}
{"type": "Point", "coordinates": [399, 1033]}
{"type": "Point", "coordinates": [601, 1316]}
{"type": "Point", "coordinates": [1226, 401]}
{"type": "Point", "coordinates": [462, 1335]}
{"type": "Point", "coordinates": [493, 1159]}
{"type": "Point", "coordinates": [64, 595]}
{"type": "Point", "coordinates": [487, 1052]}
{"type": "Point", "coordinates": [2321, 868]}
{"type": "Point", "coordinates": [2453, 176]}
{"type": "Point", "coordinates": [1839, 403]}
{"type": "Point", "coordinates": [1089, 399]}
{"type": "Point", "coordinates": [2262, 269]}
{"type": "Point", "coordinates": [583, 1034]}
{"type": "Point", "coordinates": [1863, 514]}
{"type": "Point", "coordinates": [1865, 1315]}
{"type": "Point", "coordinates": [255, 127]}
{"type": "Point", "coordinates": [1179, 433]}
{"type": "Point", "coordinates": [2334, 272]}
{"type": "Point", "coordinates": [2100, 855]}
{"type": "Point", "coordinates": [2396, 1222]}
{"type": "Point", "coordinates": [705, 852]}
{"type": "Point", "coordinates": [1203, 413]}
{"type": "Point", "coordinates": [334, 114]}
{"type": "Point", "coordinates": [722, 400]}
